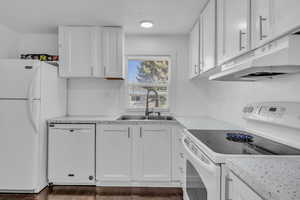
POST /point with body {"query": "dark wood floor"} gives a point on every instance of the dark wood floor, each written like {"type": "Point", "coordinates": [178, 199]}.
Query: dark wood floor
{"type": "Point", "coordinates": [99, 193]}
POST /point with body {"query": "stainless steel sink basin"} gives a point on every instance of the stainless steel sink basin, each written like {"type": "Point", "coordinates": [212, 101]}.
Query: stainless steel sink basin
{"type": "Point", "coordinates": [142, 117]}
{"type": "Point", "coordinates": [132, 117]}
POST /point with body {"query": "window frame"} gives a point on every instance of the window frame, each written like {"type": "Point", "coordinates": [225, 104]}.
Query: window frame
{"type": "Point", "coordinates": [148, 57]}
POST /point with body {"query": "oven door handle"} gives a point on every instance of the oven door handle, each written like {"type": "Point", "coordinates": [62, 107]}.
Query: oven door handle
{"type": "Point", "coordinates": [207, 164]}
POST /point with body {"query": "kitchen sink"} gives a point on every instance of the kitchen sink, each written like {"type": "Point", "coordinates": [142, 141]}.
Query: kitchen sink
{"type": "Point", "coordinates": [143, 117]}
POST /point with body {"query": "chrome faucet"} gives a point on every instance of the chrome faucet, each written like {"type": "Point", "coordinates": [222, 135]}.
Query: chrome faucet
{"type": "Point", "coordinates": [147, 112]}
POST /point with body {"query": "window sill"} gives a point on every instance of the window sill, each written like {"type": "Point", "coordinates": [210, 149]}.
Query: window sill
{"type": "Point", "coordinates": [142, 110]}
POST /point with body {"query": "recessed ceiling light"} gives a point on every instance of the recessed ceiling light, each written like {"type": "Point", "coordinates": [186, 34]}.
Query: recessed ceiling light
{"type": "Point", "coordinates": [146, 24]}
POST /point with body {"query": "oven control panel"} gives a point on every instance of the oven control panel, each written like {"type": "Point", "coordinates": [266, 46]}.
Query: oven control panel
{"type": "Point", "coordinates": [281, 113]}
{"type": "Point", "coordinates": [196, 150]}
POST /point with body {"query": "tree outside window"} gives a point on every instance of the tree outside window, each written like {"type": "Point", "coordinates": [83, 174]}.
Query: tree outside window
{"type": "Point", "coordinates": [148, 72]}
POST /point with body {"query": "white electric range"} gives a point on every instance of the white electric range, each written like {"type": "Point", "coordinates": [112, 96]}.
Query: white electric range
{"type": "Point", "coordinates": [206, 151]}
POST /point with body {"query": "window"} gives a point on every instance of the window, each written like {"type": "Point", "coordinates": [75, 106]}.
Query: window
{"type": "Point", "coordinates": [148, 73]}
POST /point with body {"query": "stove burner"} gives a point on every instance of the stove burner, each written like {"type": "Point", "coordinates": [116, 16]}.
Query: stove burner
{"type": "Point", "coordinates": [238, 137]}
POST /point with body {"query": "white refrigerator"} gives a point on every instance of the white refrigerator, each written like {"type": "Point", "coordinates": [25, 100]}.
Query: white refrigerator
{"type": "Point", "coordinates": [30, 93]}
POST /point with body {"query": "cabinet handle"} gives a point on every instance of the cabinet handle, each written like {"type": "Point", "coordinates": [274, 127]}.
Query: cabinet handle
{"type": "Point", "coordinates": [92, 71]}
{"type": "Point", "coordinates": [128, 132]}
{"type": "Point", "coordinates": [195, 69]}
{"type": "Point", "coordinates": [261, 34]}
{"type": "Point", "coordinates": [241, 34]}
{"type": "Point", "coordinates": [141, 135]}
{"type": "Point", "coordinates": [181, 155]}
{"type": "Point", "coordinates": [227, 181]}
{"type": "Point", "coordinates": [104, 71]}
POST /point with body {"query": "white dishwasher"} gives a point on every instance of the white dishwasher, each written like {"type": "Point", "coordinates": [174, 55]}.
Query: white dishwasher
{"type": "Point", "coordinates": [71, 154]}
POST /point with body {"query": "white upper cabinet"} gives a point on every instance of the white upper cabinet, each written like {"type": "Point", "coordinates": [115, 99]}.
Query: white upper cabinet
{"type": "Point", "coordinates": [208, 36]}
{"type": "Point", "coordinates": [270, 19]}
{"type": "Point", "coordinates": [260, 12]}
{"type": "Point", "coordinates": [87, 51]}
{"type": "Point", "coordinates": [285, 16]}
{"type": "Point", "coordinates": [112, 46]}
{"type": "Point", "coordinates": [77, 51]}
{"type": "Point", "coordinates": [194, 50]}
{"type": "Point", "coordinates": [233, 28]}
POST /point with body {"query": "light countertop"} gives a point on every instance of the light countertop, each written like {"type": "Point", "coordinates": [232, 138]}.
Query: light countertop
{"type": "Point", "coordinates": [204, 123]}
{"type": "Point", "coordinates": [201, 122]}
{"type": "Point", "coordinates": [82, 119]}
{"type": "Point", "coordinates": [274, 178]}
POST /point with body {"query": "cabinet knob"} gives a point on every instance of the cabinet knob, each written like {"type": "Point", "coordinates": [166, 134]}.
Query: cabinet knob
{"type": "Point", "coordinates": [91, 178]}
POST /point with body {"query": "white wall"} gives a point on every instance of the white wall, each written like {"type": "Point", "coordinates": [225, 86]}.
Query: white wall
{"type": "Point", "coordinates": [228, 98]}
{"type": "Point", "coordinates": [38, 43]}
{"type": "Point", "coordinates": [9, 41]}
{"type": "Point", "coordinates": [94, 97]}
{"type": "Point", "coordinates": [12, 44]}
{"type": "Point", "coordinates": [102, 97]}
{"type": "Point", "coordinates": [186, 95]}
{"type": "Point", "coordinates": [226, 101]}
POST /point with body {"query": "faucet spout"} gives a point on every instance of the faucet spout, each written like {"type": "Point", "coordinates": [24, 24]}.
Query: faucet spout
{"type": "Point", "coordinates": [149, 90]}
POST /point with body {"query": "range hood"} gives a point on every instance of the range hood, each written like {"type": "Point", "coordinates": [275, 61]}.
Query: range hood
{"type": "Point", "coordinates": [278, 58]}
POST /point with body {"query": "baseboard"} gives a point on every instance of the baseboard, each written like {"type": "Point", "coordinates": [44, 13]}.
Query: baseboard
{"type": "Point", "coordinates": [137, 184]}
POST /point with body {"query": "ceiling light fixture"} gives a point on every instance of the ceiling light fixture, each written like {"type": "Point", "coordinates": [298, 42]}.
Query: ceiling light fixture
{"type": "Point", "coordinates": [146, 24]}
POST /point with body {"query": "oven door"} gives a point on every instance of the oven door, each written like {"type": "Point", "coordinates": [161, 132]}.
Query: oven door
{"type": "Point", "coordinates": [202, 175]}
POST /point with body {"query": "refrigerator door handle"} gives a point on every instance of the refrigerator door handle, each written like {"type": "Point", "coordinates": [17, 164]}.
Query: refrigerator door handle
{"type": "Point", "coordinates": [31, 115]}
{"type": "Point", "coordinates": [31, 100]}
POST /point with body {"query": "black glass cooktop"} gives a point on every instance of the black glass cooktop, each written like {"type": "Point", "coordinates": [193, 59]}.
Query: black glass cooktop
{"type": "Point", "coordinates": [240, 142]}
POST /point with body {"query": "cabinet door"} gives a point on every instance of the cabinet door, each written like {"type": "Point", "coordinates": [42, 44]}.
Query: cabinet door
{"type": "Point", "coordinates": [260, 12]}
{"type": "Point", "coordinates": [114, 153]}
{"type": "Point", "coordinates": [234, 29]}
{"type": "Point", "coordinates": [155, 153]}
{"type": "Point", "coordinates": [194, 50]}
{"type": "Point", "coordinates": [77, 51]}
{"type": "Point", "coordinates": [178, 161]}
{"type": "Point", "coordinates": [208, 37]}
{"type": "Point", "coordinates": [112, 51]}
{"type": "Point", "coordinates": [285, 16]}
{"type": "Point", "coordinates": [72, 155]}
{"type": "Point", "coordinates": [240, 191]}
{"type": "Point", "coordinates": [236, 189]}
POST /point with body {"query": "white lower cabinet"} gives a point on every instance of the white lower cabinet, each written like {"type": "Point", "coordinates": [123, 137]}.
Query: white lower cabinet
{"type": "Point", "coordinates": [236, 189]}
{"type": "Point", "coordinates": [155, 153]}
{"type": "Point", "coordinates": [178, 161]}
{"type": "Point", "coordinates": [71, 154]}
{"type": "Point", "coordinates": [114, 153]}
{"type": "Point", "coordinates": [133, 154]}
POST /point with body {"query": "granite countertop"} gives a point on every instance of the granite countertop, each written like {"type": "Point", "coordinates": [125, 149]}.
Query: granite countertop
{"type": "Point", "coordinates": [273, 178]}
{"type": "Point", "coordinates": [201, 122]}
{"type": "Point", "coordinates": [82, 119]}
{"type": "Point", "coordinates": [204, 123]}
{"type": "Point", "coordinates": [105, 120]}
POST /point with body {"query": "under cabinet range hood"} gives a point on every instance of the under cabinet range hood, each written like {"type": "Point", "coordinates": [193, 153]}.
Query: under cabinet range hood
{"type": "Point", "coordinates": [278, 58]}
